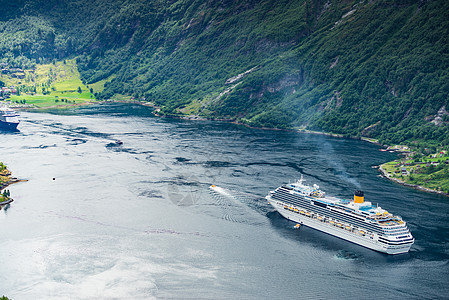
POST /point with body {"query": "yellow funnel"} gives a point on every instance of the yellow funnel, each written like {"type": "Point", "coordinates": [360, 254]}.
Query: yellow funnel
{"type": "Point", "coordinates": [358, 197]}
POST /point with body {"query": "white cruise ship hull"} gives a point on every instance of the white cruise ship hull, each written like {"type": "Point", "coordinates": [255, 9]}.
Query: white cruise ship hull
{"type": "Point", "coordinates": [354, 237]}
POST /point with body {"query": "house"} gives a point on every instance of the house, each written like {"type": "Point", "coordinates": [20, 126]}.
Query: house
{"type": "Point", "coordinates": [404, 171]}
{"type": "Point", "coordinates": [18, 75]}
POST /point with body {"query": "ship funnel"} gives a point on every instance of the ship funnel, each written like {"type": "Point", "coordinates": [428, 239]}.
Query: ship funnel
{"type": "Point", "coordinates": [358, 197]}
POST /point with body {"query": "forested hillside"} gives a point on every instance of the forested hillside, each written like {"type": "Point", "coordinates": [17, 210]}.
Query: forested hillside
{"type": "Point", "coordinates": [373, 68]}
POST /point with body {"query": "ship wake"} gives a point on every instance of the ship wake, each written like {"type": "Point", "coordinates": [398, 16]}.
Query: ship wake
{"type": "Point", "coordinates": [239, 207]}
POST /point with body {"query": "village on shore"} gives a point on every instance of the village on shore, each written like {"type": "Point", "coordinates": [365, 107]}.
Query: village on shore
{"type": "Point", "coordinates": [425, 171]}
{"type": "Point", "coordinates": [7, 91]}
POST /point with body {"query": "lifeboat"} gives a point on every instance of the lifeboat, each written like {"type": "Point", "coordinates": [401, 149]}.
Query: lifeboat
{"type": "Point", "coordinates": [332, 222]}
{"type": "Point", "coordinates": [320, 218]}
{"type": "Point", "coordinates": [308, 214]}
{"type": "Point", "coordinates": [348, 228]}
{"type": "Point", "coordinates": [302, 212]}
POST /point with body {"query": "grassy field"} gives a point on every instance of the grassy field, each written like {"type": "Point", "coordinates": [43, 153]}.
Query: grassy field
{"type": "Point", "coordinates": [98, 87]}
{"type": "Point", "coordinates": [56, 84]}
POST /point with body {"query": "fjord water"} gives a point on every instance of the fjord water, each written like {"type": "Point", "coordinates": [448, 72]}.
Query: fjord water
{"type": "Point", "coordinates": [97, 219]}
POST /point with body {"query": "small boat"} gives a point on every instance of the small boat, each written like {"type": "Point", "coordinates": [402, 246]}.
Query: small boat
{"type": "Point", "coordinates": [297, 225]}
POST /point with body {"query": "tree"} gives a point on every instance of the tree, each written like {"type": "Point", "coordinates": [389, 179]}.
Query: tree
{"type": "Point", "coordinates": [79, 90]}
{"type": "Point", "coordinates": [6, 194]}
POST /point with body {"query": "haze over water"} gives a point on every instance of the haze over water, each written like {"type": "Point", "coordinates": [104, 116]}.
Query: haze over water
{"type": "Point", "coordinates": [138, 220]}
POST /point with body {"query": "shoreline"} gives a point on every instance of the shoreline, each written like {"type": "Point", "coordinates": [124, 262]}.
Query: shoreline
{"type": "Point", "coordinates": [414, 186]}
{"type": "Point", "coordinates": [11, 181]}
{"type": "Point", "coordinates": [62, 106]}
{"type": "Point", "coordinates": [4, 185]}
{"type": "Point", "coordinates": [198, 118]}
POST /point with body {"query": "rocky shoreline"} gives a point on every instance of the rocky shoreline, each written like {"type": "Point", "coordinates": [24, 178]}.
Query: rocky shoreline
{"type": "Point", "coordinates": [11, 181]}
{"type": "Point", "coordinates": [6, 174]}
{"type": "Point", "coordinates": [415, 186]}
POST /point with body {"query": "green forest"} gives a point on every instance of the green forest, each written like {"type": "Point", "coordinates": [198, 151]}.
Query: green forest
{"type": "Point", "coordinates": [377, 69]}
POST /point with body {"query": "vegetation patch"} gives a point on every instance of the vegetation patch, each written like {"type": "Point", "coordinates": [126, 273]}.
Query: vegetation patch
{"type": "Point", "coordinates": [47, 85]}
{"type": "Point", "coordinates": [5, 176]}
{"type": "Point", "coordinates": [427, 170]}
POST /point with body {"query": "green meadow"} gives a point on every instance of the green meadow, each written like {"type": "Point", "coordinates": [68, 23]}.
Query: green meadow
{"type": "Point", "coordinates": [55, 84]}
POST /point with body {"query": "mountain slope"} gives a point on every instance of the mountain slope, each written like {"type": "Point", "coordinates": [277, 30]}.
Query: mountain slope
{"type": "Point", "coordinates": [373, 68]}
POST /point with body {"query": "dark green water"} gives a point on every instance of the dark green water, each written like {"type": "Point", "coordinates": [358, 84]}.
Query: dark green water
{"type": "Point", "coordinates": [137, 220]}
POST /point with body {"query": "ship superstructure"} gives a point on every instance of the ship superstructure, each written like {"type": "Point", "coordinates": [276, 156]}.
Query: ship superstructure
{"type": "Point", "coordinates": [355, 220]}
{"type": "Point", "coordinates": [8, 119]}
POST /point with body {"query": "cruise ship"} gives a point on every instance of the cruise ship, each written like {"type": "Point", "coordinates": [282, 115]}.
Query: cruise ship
{"type": "Point", "coordinates": [354, 220]}
{"type": "Point", "coordinates": [8, 119]}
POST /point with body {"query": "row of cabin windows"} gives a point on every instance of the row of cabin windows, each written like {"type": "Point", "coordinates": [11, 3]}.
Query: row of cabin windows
{"type": "Point", "coordinates": [326, 212]}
